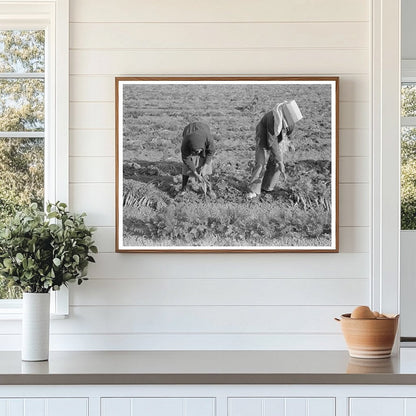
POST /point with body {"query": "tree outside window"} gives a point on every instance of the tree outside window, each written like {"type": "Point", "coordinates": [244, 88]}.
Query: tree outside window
{"type": "Point", "coordinates": [22, 124]}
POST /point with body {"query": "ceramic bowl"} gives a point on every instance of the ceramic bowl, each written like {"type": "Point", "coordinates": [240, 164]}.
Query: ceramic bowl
{"type": "Point", "coordinates": [369, 338]}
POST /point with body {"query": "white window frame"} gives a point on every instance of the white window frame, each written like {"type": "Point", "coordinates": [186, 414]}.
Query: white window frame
{"type": "Point", "coordinates": [408, 75]}
{"type": "Point", "coordinates": [385, 98]}
{"type": "Point", "coordinates": [407, 236]}
{"type": "Point", "coordinates": [53, 17]}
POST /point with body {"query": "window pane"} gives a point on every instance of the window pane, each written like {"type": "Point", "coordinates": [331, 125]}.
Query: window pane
{"type": "Point", "coordinates": [21, 173]}
{"type": "Point", "coordinates": [22, 104]}
{"type": "Point", "coordinates": [408, 99]}
{"type": "Point", "coordinates": [22, 51]}
{"type": "Point", "coordinates": [21, 182]}
{"type": "Point", "coordinates": [408, 178]}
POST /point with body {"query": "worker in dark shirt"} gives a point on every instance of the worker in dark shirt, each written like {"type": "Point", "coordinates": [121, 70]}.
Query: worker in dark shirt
{"type": "Point", "coordinates": [197, 150]}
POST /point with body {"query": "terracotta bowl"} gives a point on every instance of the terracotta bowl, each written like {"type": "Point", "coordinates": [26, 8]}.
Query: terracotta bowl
{"type": "Point", "coordinates": [369, 338]}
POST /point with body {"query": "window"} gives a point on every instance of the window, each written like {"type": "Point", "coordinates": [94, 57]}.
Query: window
{"type": "Point", "coordinates": [408, 154]}
{"type": "Point", "coordinates": [33, 111]}
{"type": "Point", "coordinates": [22, 124]}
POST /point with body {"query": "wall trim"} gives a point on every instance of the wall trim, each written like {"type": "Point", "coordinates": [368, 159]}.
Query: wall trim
{"type": "Point", "coordinates": [385, 99]}
{"type": "Point", "coordinates": [52, 16]}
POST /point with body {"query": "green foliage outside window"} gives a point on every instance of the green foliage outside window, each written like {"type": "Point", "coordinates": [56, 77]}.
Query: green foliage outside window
{"type": "Point", "coordinates": [408, 160]}
{"type": "Point", "coordinates": [408, 180]}
{"type": "Point", "coordinates": [21, 110]}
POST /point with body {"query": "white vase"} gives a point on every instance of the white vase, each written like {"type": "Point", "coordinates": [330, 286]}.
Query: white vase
{"type": "Point", "coordinates": [35, 326]}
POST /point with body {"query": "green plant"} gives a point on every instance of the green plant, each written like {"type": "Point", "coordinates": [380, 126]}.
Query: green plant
{"type": "Point", "coordinates": [43, 251]}
{"type": "Point", "coordinates": [408, 196]}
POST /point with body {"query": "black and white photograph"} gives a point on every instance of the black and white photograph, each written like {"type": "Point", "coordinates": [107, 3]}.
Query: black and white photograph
{"type": "Point", "coordinates": [227, 164]}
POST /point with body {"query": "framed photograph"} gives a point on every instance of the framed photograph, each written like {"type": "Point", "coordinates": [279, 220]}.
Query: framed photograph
{"type": "Point", "coordinates": [227, 164]}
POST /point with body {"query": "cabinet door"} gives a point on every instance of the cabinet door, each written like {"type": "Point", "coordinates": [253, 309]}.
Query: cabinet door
{"type": "Point", "coordinates": [382, 406]}
{"type": "Point", "coordinates": [270, 406]}
{"type": "Point", "coordinates": [44, 407]}
{"type": "Point", "coordinates": [160, 406]}
{"type": "Point", "coordinates": [377, 407]}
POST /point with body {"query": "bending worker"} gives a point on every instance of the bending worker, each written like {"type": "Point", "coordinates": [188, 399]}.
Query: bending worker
{"type": "Point", "coordinates": [197, 150]}
{"type": "Point", "coordinates": [269, 163]}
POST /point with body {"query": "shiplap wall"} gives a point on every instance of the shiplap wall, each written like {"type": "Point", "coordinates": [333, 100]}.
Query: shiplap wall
{"type": "Point", "coordinates": [215, 301]}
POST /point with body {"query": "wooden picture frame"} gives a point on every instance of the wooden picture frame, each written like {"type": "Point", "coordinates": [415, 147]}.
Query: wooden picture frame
{"type": "Point", "coordinates": [184, 187]}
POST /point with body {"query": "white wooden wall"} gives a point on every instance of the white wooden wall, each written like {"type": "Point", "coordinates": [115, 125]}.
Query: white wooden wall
{"type": "Point", "coordinates": [260, 301]}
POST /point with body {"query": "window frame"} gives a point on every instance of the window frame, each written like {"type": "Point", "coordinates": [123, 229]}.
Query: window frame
{"type": "Point", "coordinates": [408, 76]}
{"type": "Point", "coordinates": [385, 156]}
{"type": "Point", "coordinates": [53, 17]}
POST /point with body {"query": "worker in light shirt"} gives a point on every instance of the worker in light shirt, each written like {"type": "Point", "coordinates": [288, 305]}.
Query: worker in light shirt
{"type": "Point", "coordinates": [271, 131]}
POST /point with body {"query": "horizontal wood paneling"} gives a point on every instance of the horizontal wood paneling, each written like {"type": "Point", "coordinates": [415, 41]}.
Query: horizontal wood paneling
{"type": "Point", "coordinates": [92, 115]}
{"type": "Point", "coordinates": [220, 291]}
{"type": "Point", "coordinates": [218, 11]}
{"type": "Point", "coordinates": [221, 35]}
{"type": "Point", "coordinates": [100, 88]}
{"type": "Point", "coordinates": [94, 143]}
{"type": "Point", "coordinates": [87, 115]}
{"type": "Point", "coordinates": [201, 319]}
{"type": "Point", "coordinates": [105, 238]}
{"type": "Point", "coordinates": [265, 265]}
{"type": "Point", "coordinates": [354, 170]}
{"type": "Point", "coordinates": [354, 142]}
{"type": "Point", "coordinates": [352, 239]}
{"type": "Point", "coordinates": [92, 169]}
{"type": "Point", "coordinates": [92, 88]}
{"type": "Point", "coordinates": [354, 205]}
{"type": "Point", "coordinates": [96, 199]}
{"type": "Point", "coordinates": [194, 320]}
{"type": "Point", "coordinates": [146, 342]}
{"type": "Point", "coordinates": [219, 62]}
{"type": "Point", "coordinates": [354, 115]}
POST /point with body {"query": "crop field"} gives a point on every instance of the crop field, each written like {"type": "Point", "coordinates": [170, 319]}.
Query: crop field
{"type": "Point", "coordinates": [296, 214]}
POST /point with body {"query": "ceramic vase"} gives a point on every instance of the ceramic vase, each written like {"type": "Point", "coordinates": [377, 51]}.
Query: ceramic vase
{"type": "Point", "coordinates": [35, 326]}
